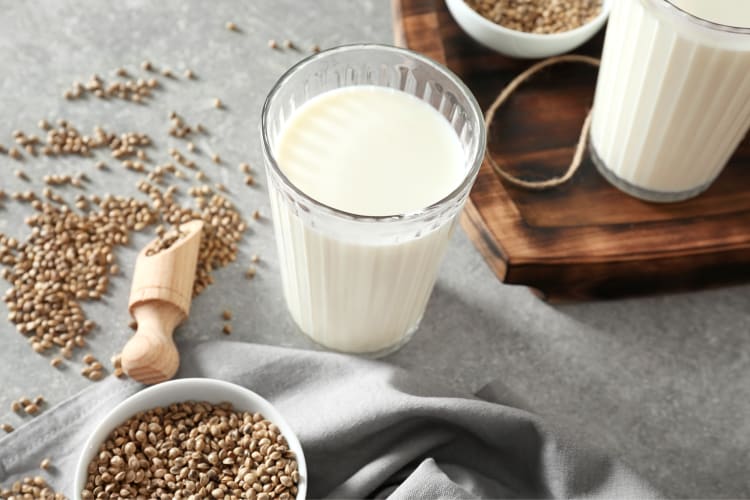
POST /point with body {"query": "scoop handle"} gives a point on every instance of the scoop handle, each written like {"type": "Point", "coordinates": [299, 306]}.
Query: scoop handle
{"type": "Point", "coordinates": [150, 356]}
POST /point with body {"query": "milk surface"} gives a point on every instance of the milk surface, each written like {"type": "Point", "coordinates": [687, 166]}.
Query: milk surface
{"type": "Point", "coordinates": [727, 12]}
{"type": "Point", "coordinates": [367, 151]}
{"type": "Point", "coordinates": [673, 99]}
{"type": "Point", "coordinates": [371, 151]}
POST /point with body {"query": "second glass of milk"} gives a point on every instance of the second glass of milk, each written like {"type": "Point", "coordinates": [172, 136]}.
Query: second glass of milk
{"type": "Point", "coordinates": [673, 96]}
{"type": "Point", "coordinates": [371, 152]}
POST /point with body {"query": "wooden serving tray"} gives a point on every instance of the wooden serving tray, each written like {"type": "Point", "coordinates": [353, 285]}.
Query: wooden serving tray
{"type": "Point", "coordinates": [584, 239]}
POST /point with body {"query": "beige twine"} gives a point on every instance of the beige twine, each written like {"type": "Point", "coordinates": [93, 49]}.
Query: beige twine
{"type": "Point", "coordinates": [580, 148]}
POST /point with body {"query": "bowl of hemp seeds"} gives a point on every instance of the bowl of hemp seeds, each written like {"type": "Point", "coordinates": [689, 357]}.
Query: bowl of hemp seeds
{"type": "Point", "coordinates": [530, 29]}
{"type": "Point", "coordinates": [192, 438]}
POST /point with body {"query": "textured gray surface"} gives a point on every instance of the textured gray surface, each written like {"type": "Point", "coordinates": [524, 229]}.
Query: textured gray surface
{"type": "Point", "coordinates": [664, 381]}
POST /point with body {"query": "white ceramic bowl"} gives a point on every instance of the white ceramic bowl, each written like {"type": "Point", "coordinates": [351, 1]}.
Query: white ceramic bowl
{"type": "Point", "coordinates": [188, 389]}
{"type": "Point", "coordinates": [518, 43]}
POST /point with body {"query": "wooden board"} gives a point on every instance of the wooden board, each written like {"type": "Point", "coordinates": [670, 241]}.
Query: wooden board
{"type": "Point", "coordinates": [585, 239]}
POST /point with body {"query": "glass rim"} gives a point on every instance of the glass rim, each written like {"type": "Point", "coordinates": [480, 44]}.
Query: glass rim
{"type": "Point", "coordinates": [704, 23]}
{"type": "Point", "coordinates": [475, 110]}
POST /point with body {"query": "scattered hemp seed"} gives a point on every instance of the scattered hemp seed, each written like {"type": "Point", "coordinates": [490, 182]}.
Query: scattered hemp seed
{"type": "Point", "coordinates": [250, 273]}
{"type": "Point", "coordinates": [14, 153]}
{"type": "Point", "coordinates": [255, 258]}
{"type": "Point", "coordinates": [272, 44]}
{"type": "Point", "coordinates": [121, 72]}
{"type": "Point", "coordinates": [31, 409]}
{"type": "Point", "coordinates": [226, 314]}
{"type": "Point", "coordinates": [227, 329]}
{"type": "Point", "coordinates": [221, 187]}
{"type": "Point", "coordinates": [256, 214]}
{"type": "Point", "coordinates": [76, 258]}
{"type": "Point", "coordinates": [32, 487]}
{"type": "Point", "coordinates": [231, 26]}
{"type": "Point", "coordinates": [167, 72]}
{"type": "Point", "coordinates": [288, 44]}
{"type": "Point", "coordinates": [89, 358]}
{"type": "Point", "coordinates": [249, 180]}
{"type": "Point", "coordinates": [215, 158]}
{"type": "Point", "coordinates": [46, 463]}
{"type": "Point", "coordinates": [44, 125]}
{"type": "Point", "coordinates": [189, 74]}
{"type": "Point", "coordinates": [21, 175]}
{"type": "Point", "coordinates": [100, 165]}
{"type": "Point", "coordinates": [117, 366]}
{"type": "Point", "coordinates": [244, 168]}
{"type": "Point", "coordinates": [15, 406]}
{"type": "Point", "coordinates": [7, 428]}
{"type": "Point", "coordinates": [147, 66]}
{"type": "Point", "coordinates": [56, 362]}
{"type": "Point", "coordinates": [191, 147]}
{"type": "Point", "coordinates": [39, 400]}
{"type": "Point", "coordinates": [315, 49]}
{"type": "Point", "coordinates": [217, 103]}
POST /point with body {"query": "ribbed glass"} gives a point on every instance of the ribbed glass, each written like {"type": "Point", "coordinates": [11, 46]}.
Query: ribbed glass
{"type": "Point", "coordinates": [672, 101]}
{"type": "Point", "coordinates": [361, 283]}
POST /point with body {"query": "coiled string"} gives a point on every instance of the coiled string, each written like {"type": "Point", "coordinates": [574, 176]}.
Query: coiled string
{"type": "Point", "coordinates": [580, 147]}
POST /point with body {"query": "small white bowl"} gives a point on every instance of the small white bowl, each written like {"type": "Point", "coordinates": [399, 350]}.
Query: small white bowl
{"type": "Point", "coordinates": [518, 43]}
{"type": "Point", "coordinates": [188, 389]}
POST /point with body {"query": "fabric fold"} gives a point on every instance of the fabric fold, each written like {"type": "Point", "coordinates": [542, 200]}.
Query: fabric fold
{"type": "Point", "coordinates": [367, 429]}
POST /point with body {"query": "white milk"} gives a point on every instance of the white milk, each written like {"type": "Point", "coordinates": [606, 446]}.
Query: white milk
{"type": "Point", "coordinates": [673, 99]}
{"type": "Point", "coordinates": [367, 151]}
{"type": "Point", "coordinates": [726, 12]}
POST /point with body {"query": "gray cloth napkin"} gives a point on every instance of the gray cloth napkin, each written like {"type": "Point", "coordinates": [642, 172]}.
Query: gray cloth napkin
{"type": "Point", "coordinates": [368, 429]}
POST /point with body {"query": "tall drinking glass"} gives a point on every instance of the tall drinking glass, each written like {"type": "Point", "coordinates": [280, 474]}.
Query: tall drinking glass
{"type": "Point", "coordinates": [673, 96]}
{"type": "Point", "coordinates": [352, 282]}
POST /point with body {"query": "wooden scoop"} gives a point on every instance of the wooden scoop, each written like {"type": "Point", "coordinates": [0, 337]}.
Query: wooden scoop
{"type": "Point", "coordinates": [159, 301]}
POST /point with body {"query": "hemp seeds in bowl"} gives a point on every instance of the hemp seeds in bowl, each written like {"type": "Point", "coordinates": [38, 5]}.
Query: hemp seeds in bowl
{"type": "Point", "coordinates": [191, 439]}
{"type": "Point", "coordinates": [530, 28]}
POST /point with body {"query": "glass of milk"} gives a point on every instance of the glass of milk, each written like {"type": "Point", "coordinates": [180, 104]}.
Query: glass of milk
{"type": "Point", "coordinates": [370, 152]}
{"type": "Point", "coordinates": [673, 96]}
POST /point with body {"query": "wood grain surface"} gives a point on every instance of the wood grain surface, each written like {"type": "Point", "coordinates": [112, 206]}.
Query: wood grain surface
{"type": "Point", "coordinates": [585, 239]}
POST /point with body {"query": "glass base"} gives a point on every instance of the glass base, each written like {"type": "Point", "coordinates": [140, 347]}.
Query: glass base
{"type": "Point", "coordinates": [380, 353]}
{"type": "Point", "coordinates": [639, 192]}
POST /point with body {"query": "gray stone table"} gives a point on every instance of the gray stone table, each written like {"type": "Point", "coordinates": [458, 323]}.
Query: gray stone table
{"type": "Point", "coordinates": [664, 382]}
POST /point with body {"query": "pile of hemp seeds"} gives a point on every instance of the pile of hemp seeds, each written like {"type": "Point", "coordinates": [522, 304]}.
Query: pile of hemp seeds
{"type": "Point", "coordinates": [194, 450]}
{"type": "Point", "coordinates": [538, 16]}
